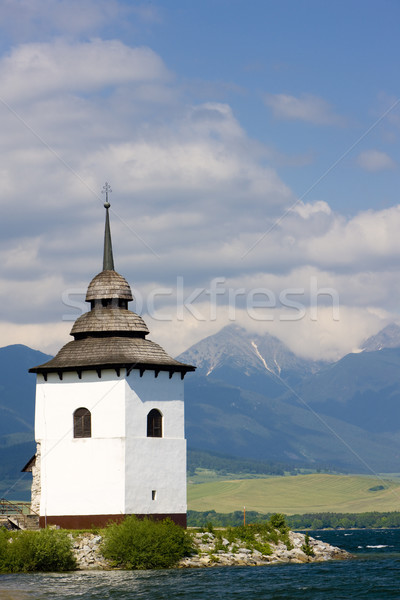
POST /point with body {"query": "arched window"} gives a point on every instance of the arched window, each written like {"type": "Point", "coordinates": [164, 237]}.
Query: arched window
{"type": "Point", "coordinates": [154, 423]}
{"type": "Point", "coordinates": [82, 423]}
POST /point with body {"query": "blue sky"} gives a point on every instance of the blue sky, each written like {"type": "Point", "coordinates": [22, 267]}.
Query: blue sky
{"type": "Point", "coordinates": [344, 54]}
{"type": "Point", "coordinates": [251, 143]}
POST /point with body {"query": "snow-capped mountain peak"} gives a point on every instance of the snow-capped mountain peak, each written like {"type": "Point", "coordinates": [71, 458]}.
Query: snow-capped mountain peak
{"type": "Point", "coordinates": [389, 337]}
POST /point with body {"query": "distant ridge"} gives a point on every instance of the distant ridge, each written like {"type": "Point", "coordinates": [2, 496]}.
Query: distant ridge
{"type": "Point", "coordinates": [253, 399]}
{"type": "Point", "coordinates": [235, 353]}
{"type": "Point", "coordinates": [17, 407]}
{"type": "Point", "coordinates": [389, 337]}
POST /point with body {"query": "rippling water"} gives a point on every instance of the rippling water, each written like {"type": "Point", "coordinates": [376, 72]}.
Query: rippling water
{"type": "Point", "coordinates": [373, 574]}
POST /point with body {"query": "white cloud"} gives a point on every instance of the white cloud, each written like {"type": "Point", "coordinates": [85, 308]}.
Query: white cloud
{"type": "Point", "coordinates": [46, 337]}
{"type": "Point", "coordinates": [188, 181]}
{"type": "Point", "coordinates": [306, 210]}
{"type": "Point", "coordinates": [321, 339]}
{"type": "Point", "coordinates": [43, 69]}
{"type": "Point", "coordinates": [369, 240]}
{"type": "Point", "coordinates": [325, 338]}
{"type": "Point", "coordinates": [303, 108]}
{"type": "Point", "coordinates": [374, 160]}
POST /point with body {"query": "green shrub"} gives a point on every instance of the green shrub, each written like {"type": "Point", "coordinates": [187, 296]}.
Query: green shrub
{"type": "Point", "coordinates": [254, 537]}
{"type": "Point", "coordinates": [278, 521]}
{"type": "Point", "coordinates": [210, 527]}
{"type": "Point", "coordinates": [145, 544]}
{"type": "Point", "coordinates": [245, 533]}
{"type": "Point", "coordinates": [28, 551]}
{"type": "Point", "coordinates": [231, 535]}
{"type": "Point", "coordinates": [265, 548]}
{"type": "Point", "coordinates": [287, 542]}
{"type": "Point", "coordinates": [218, 544]}
{"type": "Point", "coordinates": [4, 537]}
{"type": "Point", "coordinates": [307, 549]}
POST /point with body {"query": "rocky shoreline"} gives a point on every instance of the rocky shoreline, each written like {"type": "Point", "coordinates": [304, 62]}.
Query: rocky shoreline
{"type": "Point", "coordinates": [88, 555]}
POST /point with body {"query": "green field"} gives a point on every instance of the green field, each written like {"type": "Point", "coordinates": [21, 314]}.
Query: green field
{"type": "Point", "coordinates": [301, 494]}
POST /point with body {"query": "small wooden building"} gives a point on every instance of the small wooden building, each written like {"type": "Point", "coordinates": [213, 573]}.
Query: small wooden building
{"type": "Point", "coordinates": [109, 418]}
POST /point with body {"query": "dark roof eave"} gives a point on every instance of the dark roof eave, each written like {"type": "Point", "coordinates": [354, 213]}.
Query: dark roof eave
{"type": "Point", "coordinates": [28, 467]}
{"type": "Point", "coordinates": [179, 368]}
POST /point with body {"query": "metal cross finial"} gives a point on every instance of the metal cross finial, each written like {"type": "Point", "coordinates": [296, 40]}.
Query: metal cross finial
{"type": "Point", "coordinates": [105, 190]}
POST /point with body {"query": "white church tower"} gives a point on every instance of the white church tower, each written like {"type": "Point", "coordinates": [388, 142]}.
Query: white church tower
{"type": "Point", "coordinates": [109, 418]}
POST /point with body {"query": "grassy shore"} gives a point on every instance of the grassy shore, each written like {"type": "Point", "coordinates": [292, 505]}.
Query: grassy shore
{"type": "Point", "coordinates": [300, 494]}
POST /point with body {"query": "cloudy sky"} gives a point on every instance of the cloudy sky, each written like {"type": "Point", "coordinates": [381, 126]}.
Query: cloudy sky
{"type": "Point", "coordinates": [253, 152]}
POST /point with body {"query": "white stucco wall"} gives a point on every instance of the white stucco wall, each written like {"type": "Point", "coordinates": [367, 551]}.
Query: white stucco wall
{"type": "Point", "coordinates": [148, 392]}
{"type": "Point", "coordinates": [116, 470]}
{"type": "Point", "coordinates": [155, 464]}
{"type": "Point", "coordinates": [83, 475]}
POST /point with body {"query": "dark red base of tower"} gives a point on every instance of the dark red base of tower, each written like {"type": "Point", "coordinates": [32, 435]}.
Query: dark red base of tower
{"type": "Point", "coordinates": [89, 521]}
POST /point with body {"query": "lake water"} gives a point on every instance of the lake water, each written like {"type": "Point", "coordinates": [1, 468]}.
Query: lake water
{"type": "Point", "coordinates": [374, 574]}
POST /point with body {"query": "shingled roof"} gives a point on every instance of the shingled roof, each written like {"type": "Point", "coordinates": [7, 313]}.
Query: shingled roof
{"type": "Point", "coordinates": [108, 284]}
{"type": "Point", "coordinates": [115, 320]}
{"type": "Point", "coordinates": [110, 335]}
{"type": "Point", "coordinates": [111, 352]}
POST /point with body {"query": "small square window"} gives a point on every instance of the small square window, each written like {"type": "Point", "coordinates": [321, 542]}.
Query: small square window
{"type": "Point", "coordinates": [153, 494]}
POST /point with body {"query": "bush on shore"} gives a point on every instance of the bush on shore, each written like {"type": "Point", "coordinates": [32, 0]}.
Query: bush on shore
{"type": "Point", "coordinates": [145, 544]}
{"type": "Point", "coordinates": [28, 551]}
{"type": "Point", "coordinates": [133, 544]}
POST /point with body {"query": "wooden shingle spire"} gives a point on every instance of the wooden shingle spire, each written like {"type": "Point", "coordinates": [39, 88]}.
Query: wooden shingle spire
{"type": "Point", "coordinates": [110, 335]}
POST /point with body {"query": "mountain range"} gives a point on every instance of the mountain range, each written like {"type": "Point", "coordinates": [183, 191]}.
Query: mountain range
{"type": "Point", "coordinates": [251, 398]}
{"type": "Point", "coordinates": [17, 409]}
